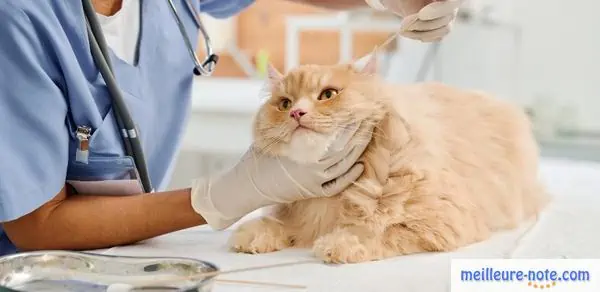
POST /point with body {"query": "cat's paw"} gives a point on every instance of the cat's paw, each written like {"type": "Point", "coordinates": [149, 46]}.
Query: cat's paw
{"type": "Point", "coordinates": [259, 236]}
{"type": "Point", "coordinates": [341, 247]}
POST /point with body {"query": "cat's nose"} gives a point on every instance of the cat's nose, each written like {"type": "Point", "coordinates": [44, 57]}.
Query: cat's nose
{"type": "Point", "coordinates": [297, 114]}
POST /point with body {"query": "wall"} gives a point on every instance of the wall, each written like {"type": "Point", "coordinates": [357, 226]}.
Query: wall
{"type": "Point", "coordinates": [554, 61]}
{"type": "Point", "coordinates": [262, 27]}
{"type": "Point", "coordinates": [219, 128]}
{"type": "Point", "coordinates": [221, 31]}
{"type": "Point", "coordinates": [561, 53]}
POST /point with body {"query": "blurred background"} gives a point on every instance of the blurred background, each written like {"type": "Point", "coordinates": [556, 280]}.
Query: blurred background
{"type": "Point", "coordinates": [541, 54]}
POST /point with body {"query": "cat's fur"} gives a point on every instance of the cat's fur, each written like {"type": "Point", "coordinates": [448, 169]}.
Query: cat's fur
{"type": "Point", "coordinates": [445, 167]}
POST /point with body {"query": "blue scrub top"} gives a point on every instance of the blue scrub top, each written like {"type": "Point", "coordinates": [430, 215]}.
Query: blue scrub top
{"type": "Point", "coordinates": [49, 85]}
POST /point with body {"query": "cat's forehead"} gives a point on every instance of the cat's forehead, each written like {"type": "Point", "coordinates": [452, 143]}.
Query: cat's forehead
{"type": "Point", "coordinates": [312, 77]}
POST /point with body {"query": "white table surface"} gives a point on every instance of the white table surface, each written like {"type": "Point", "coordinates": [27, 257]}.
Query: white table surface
{"type": "Point", "coordinates": [567, 229]}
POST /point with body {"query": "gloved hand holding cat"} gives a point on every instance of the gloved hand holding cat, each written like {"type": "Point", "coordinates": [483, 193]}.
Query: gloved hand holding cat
{"type": "Point", "coordinates": [424, 20]}
{"type": "Point", "coordinates": [259, 180]}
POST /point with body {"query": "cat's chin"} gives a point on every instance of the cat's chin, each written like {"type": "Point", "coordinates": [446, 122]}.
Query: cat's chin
{"type": "Point", "coordinates": [308, 146]}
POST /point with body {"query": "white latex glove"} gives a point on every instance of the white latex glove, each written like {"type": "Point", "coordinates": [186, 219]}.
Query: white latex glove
{"type": "Point", "coordinates": [258, 180]}
{"type": "Point", "coordinates": [427, 23]}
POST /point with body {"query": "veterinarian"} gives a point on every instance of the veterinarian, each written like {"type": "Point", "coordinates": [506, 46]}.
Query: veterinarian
{"type": "Point", "coordinates": [66, 181]}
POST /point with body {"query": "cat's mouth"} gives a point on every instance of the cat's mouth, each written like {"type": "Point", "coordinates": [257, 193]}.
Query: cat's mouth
{"type": "Point", "coordinates": [301, 127]}
{"type": "Point", "coordinates": [307, 127]}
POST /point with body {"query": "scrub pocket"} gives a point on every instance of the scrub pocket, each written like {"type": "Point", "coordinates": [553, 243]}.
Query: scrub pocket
{"type": "Point", "coordinates": [106, 170]}
{"type": "Point", "coordinates": [105, 176]}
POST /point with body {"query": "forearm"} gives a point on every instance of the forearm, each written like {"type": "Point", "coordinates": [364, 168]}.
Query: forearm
{"type": "Point", "coordinates": [335, 4]}
{"type": "Point", "coordinates": [81, 222]}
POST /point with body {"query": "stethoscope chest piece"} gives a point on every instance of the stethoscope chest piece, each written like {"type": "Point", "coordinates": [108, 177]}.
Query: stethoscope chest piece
{"type": "Point", "coordinates": [207, 67]}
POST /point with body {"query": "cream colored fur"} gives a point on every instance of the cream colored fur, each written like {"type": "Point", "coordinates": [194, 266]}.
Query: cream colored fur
{"type": "Point", "coordinates": [445, 167]}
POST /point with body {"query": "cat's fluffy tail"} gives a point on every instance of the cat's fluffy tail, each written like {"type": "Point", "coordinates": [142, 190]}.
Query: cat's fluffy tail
{"type": "Point", "coordinates": [535, 200]}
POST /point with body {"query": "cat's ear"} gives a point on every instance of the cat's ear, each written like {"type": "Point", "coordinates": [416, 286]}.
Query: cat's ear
{"type": "Point", "coordinates": [370, 68]}
{"type": "Point", "coordinates": [368, 65]}
{"type": "Point", "coordinates": [273, 75]}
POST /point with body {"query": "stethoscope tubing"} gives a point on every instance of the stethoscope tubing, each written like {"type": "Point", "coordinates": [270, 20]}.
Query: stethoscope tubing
{"type": "Point", "coordinates": [99, 49]}
{"type": "Point", "coordinates": [198, 69]}
{"type": "Point", "coordinates": [132, 143]}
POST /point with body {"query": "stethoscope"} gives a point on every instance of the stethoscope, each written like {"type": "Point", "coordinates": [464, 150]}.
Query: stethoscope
{"type": "Point", "coordinates": [132, 144]}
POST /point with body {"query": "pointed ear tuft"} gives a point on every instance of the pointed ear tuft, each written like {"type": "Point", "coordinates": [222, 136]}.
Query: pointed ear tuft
{"type": "Point", "coordinates": [274, 76]}
{"type": "Point", "coordinates": [372, 65]}
{"type": "Point", "coordinates": [368, 65]}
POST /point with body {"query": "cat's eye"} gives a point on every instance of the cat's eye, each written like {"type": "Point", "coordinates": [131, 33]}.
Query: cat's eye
{"type": "Point", "coordinates": [284, 104]}
{"type": "Point", "coordinates": [327, 93]}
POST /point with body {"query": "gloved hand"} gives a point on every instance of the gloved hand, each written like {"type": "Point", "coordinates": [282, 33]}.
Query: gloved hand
{"type": "Point", "coordinates": [259, 180]}
{"type": "Point", "coordinates": [424, 20]}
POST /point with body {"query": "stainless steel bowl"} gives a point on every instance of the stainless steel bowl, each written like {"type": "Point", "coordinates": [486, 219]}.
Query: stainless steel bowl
{"type": "Point", "coordinates": [86, 272]}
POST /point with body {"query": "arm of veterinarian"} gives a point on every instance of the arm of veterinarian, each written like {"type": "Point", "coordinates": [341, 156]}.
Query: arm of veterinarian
{"type": "Point", "coordinates": [86, 221]}
{"type": "Point", "coordinates": [424, 20]}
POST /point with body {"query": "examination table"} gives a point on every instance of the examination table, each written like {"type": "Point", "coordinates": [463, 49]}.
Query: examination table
{"type": "Point", "coordinates": [568, 228]}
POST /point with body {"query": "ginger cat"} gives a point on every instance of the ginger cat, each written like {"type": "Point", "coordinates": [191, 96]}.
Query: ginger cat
{"type": "Point", "coordinates": [445, 167]}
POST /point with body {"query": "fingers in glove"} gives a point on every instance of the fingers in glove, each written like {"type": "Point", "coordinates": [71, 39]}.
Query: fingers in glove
{"type": "Point", "coordinates": [428, 36]}
{"type": "Point", "coordinates": [403, 8]}
{"type": "Point", "coordinates": [357, 151]}
{"type": "Point", "coordinates": [428, 25]}
{"type": "Point", "coordinates": [409, 21]}
{"type": "Point", "coordinates": [439, 9]}
{"type": "Point", "coordinates": [344, 138]}
{"type": "Point", "coordinates": [339, 184]}
{"type": "Point", "coordinates": [339, 150]}
{"type": "Point", "coordinates": [341, 167]}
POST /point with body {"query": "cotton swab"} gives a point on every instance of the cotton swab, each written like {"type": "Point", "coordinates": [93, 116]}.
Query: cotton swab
{"type": "Point", "coordinates": [117, 287]}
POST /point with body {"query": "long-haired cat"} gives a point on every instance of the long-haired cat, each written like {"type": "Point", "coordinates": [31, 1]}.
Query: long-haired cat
{"type": "Point", "coordinates": [445, 167]}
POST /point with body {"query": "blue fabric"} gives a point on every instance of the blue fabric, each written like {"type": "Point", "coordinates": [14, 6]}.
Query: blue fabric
{"type": "Point", "coordinates": [49, 85]}
{"type": "Point", "coordinates": [223, 8]}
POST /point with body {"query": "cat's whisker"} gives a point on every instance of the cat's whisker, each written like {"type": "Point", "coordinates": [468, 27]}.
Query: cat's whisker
{"type": "Point", "coordinates": [268, 147]}
{"type": "Point", "coordinates": [378, 134]}
{"type": "Point", "coordinates": [360, 185]}
{"type": "Point", "coordinates": [274, 141]}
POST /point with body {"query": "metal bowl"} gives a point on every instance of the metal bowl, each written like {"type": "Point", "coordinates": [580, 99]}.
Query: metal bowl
{"type": "Point", "coordinates": [77, 271]}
